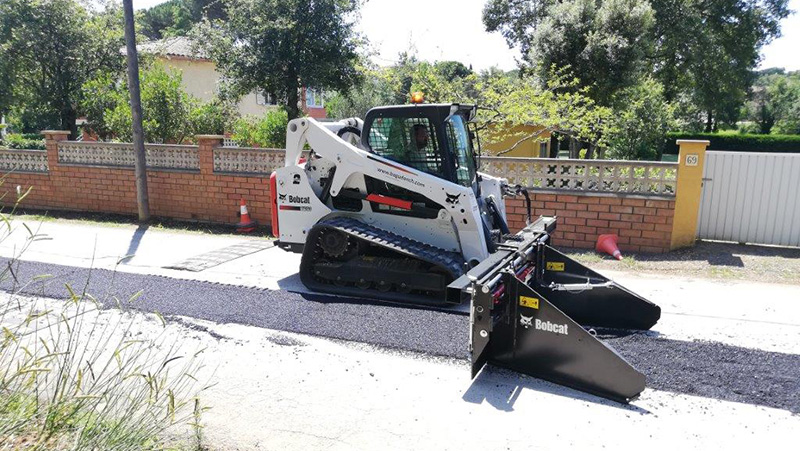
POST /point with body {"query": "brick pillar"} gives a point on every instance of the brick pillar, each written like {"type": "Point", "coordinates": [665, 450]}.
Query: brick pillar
{"type": "Point", "coordinates": [51, 139]}
{"type": "Point", "coordinates": [689, 189]}
{"type": "Point", "coordinates": [205, 151]}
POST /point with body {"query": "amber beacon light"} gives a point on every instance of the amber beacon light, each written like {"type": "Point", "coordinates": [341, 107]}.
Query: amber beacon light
{"type": "Point", "coordinates": [417, 97]}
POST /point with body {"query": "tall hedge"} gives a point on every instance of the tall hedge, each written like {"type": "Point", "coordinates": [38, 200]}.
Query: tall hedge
{"type": "Point", "coordinates": [738, 142]}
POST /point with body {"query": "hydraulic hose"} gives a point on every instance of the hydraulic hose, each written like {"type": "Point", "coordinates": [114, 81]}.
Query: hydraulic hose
{"type": "Point", "coordinates": [517, 190]}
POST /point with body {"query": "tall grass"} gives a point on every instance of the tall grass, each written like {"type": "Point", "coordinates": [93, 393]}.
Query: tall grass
{"type": "Point", "coordinates": [76, 376]}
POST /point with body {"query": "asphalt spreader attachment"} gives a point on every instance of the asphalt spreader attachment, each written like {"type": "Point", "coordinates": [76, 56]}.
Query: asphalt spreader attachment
{"type": "Point", "coordinates": [532, 309]}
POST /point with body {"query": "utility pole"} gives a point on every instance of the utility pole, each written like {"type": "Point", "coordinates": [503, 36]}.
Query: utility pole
{"type": "Point", "coordinates": [136, 113]}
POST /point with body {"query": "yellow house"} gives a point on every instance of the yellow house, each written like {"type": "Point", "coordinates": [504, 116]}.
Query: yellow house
{"type": "Point", "coordinates": [499, 140]}
{"type": "Point", "coordinates": [200, 76]}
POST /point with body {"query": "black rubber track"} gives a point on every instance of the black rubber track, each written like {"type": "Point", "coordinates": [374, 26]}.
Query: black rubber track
{"type": "Point", "coordinates": [708, 369]}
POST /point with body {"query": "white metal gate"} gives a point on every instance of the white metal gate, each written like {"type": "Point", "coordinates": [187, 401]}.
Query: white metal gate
{"type": "Point", "coordinates": [751, 198]}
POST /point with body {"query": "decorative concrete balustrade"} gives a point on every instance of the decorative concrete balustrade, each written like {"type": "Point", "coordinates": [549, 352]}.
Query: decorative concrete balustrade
{"type": "Point", "coordinates": [31, 161]}
{"type": "Point", "coordinates": [159, 156]}
{"type": "Point", "coordinates": [645, 178]}
{"type": "Point", "coordinates": [247, 160]}
{"type": "Point", "coordinates": [655, 179]}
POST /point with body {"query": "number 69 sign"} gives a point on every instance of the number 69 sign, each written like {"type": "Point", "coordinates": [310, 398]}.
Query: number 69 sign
{"type": "Point", "coordinates": [692, 159]}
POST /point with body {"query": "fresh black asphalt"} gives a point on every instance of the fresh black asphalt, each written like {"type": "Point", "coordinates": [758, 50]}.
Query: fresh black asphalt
{"type": "Point", "coordinates": [699, 368]}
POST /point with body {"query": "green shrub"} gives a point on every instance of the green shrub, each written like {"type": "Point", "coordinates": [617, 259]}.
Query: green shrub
{"type": "Point", "coordinates": [29, 141]}
{"type": "Point", "coordinates": [267, 131]}
{"type": "Point", "coordinates": [100, 97]}
{"type": "Point", "coordinates": [738, 142]}
{"type": "Point", "coordinates": [165, 107]}
{"type": "Point", "coordinates": [213, 118]}
{"type": "Point", "coordinates": [31, 119]}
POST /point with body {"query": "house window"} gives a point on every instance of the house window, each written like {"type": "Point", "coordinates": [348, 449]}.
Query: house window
{"type": "Point", "coordinates": [263, 98]}
{"type": "Point", "coordinates": [314, 98]}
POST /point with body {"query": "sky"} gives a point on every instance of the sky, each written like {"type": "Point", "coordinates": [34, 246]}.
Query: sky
{"type": "Point", "coordinates": [453, 30]}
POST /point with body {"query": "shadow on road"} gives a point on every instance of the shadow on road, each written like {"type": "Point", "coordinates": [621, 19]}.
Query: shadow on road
{"type": "Point", "coordinates": [501, 388]}
{"type": "Point", "coordinates": [136, 239]}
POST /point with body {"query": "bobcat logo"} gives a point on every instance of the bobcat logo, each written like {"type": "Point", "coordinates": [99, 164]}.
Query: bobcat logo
{"type": "Point", "coordinates": [453, 198]}
{"type": "Point", "coordinates": [525, 321]}
{"type": "Point", "coordinates": [282, 196]}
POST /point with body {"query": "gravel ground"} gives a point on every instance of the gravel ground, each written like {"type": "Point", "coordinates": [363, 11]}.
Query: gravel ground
{"type": "Point", "coordinates": [706, 369]}
{"type": "Point", "coordinates": [714, 260]}
{"type": "Point", "coordinates": [714, 370]}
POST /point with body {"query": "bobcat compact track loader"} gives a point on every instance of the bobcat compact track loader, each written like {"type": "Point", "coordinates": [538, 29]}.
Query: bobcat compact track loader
{"type": "Point", "coordinates": [393, 207]}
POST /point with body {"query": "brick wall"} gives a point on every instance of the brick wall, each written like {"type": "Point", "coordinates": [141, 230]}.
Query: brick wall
{"type": "Point", "coordinates": [643, 225]}
{"type": "Point", "coordinates": [193, 195]}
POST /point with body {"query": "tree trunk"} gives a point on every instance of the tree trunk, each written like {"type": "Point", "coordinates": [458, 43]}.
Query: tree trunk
{"type": "Point", "coordinates": [68, 118]}
{"type": "Point", "coordinates": [292, 95]}
{"type": "Point", "coordinates": [292, 110]}
{"type": "Point", "coordinates": [709, 121]}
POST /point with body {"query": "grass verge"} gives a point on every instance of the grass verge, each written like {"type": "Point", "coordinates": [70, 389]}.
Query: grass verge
{"type": "Point", "coordinates": [74, 375]}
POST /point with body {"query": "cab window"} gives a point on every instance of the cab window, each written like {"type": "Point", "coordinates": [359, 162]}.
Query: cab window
{"type": "Point", "coordinates": [458, 138]}
{"type": "Point", "coordinates": [410, 141]}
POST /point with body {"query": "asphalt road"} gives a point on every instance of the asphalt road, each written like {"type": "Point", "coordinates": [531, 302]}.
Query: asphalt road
{"type": "Point", "coordinates": [707, 369]}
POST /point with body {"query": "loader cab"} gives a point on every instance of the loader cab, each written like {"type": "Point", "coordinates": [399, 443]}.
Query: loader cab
{"type": "Point", "coordinates": [432, 138]}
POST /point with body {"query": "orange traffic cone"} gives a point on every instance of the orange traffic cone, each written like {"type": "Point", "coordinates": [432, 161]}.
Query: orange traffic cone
{"type": "Point", "coordinates": [608, 244]}
{"type": "Point", "coordinates": [245, 225]}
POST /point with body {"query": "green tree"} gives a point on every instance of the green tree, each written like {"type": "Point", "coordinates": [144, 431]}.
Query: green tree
{"type": "Point", "coordinates": [706, 50]}
{"type": "Point", "coordinates": [774, 103]}
{"type": "Point", "coordinates": [49, 49]}
{"type": "Point", "coordinates": [452, 70]}
{"type": "Point", "coordinates": [784, 98]}
{"type": "Point", "coordinates": [178, 17]}
{"type": "Point", "coordinates": [374, 90]}
{"type": "Point", "coordinates": [702, 51]}
{"type": "Point", "coordinates": [759, 109]}
{"type": "Point", "coordinates": [445, 81]}
{"type": "Point", "coordinates": [639, 125]}
{"type": "Point", "coordinates": [516, 20]}
{"type": "Point", "coordinates": [278, 46]}
{"type": "Point", "coordinates": [561, 106]}
{"type": "Point", "coordinates": [602, 41]}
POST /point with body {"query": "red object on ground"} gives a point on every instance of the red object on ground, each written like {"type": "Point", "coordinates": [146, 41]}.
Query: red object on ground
{"type": "Point", "coordinates": [245, 225]}
{"type": "Point", "coordinates": [608, 244]}
{"type": "Point", "coordinates": [273, 187]}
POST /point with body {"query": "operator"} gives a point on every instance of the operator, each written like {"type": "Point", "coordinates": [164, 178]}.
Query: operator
{"type": "Point", "coordinates": [421, 137]}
